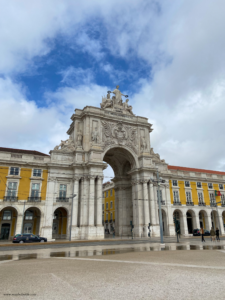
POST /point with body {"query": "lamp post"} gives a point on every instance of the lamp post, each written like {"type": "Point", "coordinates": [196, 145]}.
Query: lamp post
{"type": "Point", "coordinates": [158, 181]}
{"type": "Point", "coordinates": [71, 217]}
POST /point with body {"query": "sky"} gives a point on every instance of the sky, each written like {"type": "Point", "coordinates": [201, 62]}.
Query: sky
{"type": "Point", "coordinates": [169, 58]}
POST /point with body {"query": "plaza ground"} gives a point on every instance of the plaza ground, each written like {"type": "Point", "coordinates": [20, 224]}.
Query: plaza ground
{"type": "Point", "coordinates": [117, 270]}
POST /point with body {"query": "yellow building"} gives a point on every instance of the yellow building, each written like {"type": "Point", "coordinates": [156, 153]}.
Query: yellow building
{"type": "Point", "coordinates": [108, 206]}
{"type": "Point", "coordinates": [23, 185]}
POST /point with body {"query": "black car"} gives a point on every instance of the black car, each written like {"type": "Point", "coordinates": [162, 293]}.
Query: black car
{"type": "Point", "coordinates": [206, 232]}
{"type": "Point", "coordinates": [28, 238]}
{"type": "Point", "coordinates": [196, 232]}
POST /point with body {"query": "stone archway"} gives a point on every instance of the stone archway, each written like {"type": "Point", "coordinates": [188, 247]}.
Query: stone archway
{"type": "Point", "coordinates": [111, 134]}
{"type": "Point", "coordinates": [8, 220]}
{"type": "Point", "coordinates": [122, 162]}
{"type": "Point", "coordinates": [32, 220]}
{"type": "Point", "coordinates": [59, 226]}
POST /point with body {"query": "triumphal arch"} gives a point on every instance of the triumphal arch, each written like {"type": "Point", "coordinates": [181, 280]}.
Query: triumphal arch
{"type": "Point", "coordinates": [110, 134]}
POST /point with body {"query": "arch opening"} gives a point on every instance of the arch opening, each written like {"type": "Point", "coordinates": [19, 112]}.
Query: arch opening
{"type": "Point", "coordinates": [59, 224]}
{"type": "Point", "coordinates": [117, 193]}
{"type": "Point", "coordinates": [31, 220]}
{"type": "Point", "coordinates": [8, 218]}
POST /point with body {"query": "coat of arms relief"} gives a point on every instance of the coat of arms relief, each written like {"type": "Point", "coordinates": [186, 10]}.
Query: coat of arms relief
{"type": "Point", "coordinates": [119, 134]}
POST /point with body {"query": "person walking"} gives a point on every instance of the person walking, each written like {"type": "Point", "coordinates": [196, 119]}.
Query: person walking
{"type": "Point", "coordinates": [217, 234]}
{"type": "Point", "coordinates": [202, 234]}
{"type": "Point", "coordinates": [212, 233]}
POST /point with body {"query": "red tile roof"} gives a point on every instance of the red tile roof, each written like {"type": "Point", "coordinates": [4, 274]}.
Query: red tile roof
{"type": "Point", "coordinates": [33, 152]}
{"type": "Point", "coordinates": [195, 170]}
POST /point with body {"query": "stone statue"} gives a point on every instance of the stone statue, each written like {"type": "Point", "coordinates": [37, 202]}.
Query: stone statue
{"type": "Point", "coordinates": [95, 136]}
{"type": "Point", "coordinates": [66, 146]}
{"type": "Point", "coordinates": [118, 95]}
{"type": "Point", "coordinates": [143, 144]}
{"type": "Point", "coordinates": [128, 107]}
{"type": "Point", "coordinates": [79, 138]}
{"type": "Point", "coordinates": [106, 102]}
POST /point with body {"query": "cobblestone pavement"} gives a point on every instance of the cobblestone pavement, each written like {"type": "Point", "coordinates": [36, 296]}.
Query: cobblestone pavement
{"type": "Point", "coordinates": [141, 274]}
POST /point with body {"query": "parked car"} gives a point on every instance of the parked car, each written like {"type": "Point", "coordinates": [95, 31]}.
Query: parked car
{"type": "Point", "coordinates": [196, 232]}
{"type": "Point", "coordinates": [206, 232]}
{"type": "Point", "coordinates": [28, 238]}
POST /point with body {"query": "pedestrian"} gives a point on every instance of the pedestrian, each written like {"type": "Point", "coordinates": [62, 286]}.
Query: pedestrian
{"type": "Point", "coordinates": [217, 234]}
{"type": "Point", "coordinates": [212, 233]}
{"type": "Point", "coordinates": [202, 234]}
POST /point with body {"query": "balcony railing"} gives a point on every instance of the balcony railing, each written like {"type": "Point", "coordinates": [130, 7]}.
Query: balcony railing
{"type": "Point", "coordinates": [34, 199]}
{"type": "Point", "coordinates": [223, 204]}
{"type": "Point", "coordinates": [213, 204]}
{"type": "Point", "coordinates": [190, 204]}
{"type": "Point", "coordinates": [201, 204]}
{"type": "Point", "coordinates": [10, 198]}
{"type": "Point", "coordinates": [176, 203]}
{"type": "Point", "coordinates": [62, 199]}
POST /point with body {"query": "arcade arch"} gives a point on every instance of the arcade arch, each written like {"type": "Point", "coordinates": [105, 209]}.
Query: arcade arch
{"type": "Point", "coordinates": [31, 220]}
{"type": "Point", "coordinates": [59, 226]}
{"type": "Point", "coordinates": [122, 162]}
{"type": "Point", "coordinates": [8, 220]}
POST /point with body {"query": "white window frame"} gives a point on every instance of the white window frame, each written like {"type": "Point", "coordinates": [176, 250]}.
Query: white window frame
{"type": "Point", "coordinates": [189, 185]}
{"type": "Point", "coordinates": [106, 216]}
{"type": "Point", "coordinates": [14, 174]}
{"type": "Point", "coordinates": [12, 180]}
{"type": "Point", "coordinates": [188, 197]}
{"type": "Point", "coordinates": [173, 180]}
{"type": "Point", "coordinates": [200, 198]}
{"type": "Point", "coordinates": [212, 197]}
{"type": "Point", "coordinates": [210, 183]}
{"type": "Point", "coordinates": [106, 194]}
{"type": "Point", "coordinates": [7, 219]}
{"type": "Point", "coordinates": [35, 175]}
{"type": "Point", "coordinates": [176, 197]}
{"type": "Point", "coordinates": [111, 204]}
{"type": "Point", "coordinates": [111, 216]}
{"type": "Point", "coordinates": [16, 189]}
{"type": "Point", "coordinates": [32, 183]}
{"type": "Point", "coordinates": [63, 184]}
{"type": "Point", "coordinates": [198, 187]}
{"type": "Point", "coordinates": [221, 185]}
{"type": "Point", "coordinates": [107, 205]}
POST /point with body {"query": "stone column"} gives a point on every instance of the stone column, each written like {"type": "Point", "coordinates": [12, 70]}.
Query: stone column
{"type": "Point", "coordinates": [75, 208]}
{"type": "Point", "coordinates": [219, 221]}
{"type": "Point", "coordinates": [99, 227]}
{"type": "Point", "coordinates": [171, 227]}
{"type": "Point", "coordinates": [46, 230]}
{"type": "Point", "coordinates": [91, 210]}
{"type": "Point", "coordinates": [154, 224]}
{"type": "Point", "coordinates": [146, 207]}
{"type": "Point", "coordinates": [196, 221]}
{"type": "Point", "coordinates": [19, 222]}
{"type": "Point", "coordinates": [183, 224]}
{"type": "Point", "coordinates": [208, 221]}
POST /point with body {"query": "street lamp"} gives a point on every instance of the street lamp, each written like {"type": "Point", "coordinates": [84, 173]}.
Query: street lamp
{"type": "Point", "coordinates": [71, 216]}
{"type": "Point", "coordinates": [158, 181]}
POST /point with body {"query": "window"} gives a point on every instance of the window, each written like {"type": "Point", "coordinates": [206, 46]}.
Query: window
{"type": "Point", "coordinates": [28, 228]}
{"type": "Point", "coordinates": [12, 189]}
{"type": "Point", "coordinates": [212, 197]}
{"type": "Point", "coordinates": [220, 186]}
{"type": "Point", "coordinates": [111, 216]}
{"type": "Point", "coordinates": [111, 204]}
{"type": "Point", "coordinates": [106, 194]}
{"type": "Point", "coordinates": [107, 205]}
{"type": "Point", "coordinates": [35, 189]}
{"type": "Point", "coordinates": [37, 172]}
{"type": "Point", "coordinates": [14, 171]}
{"type": "Point", "coordinates": [29, 215]}
{"type": "Point", "coordinates": [176, 196]}
{"type": "Point", "coordinates": [175, 183]}
{"type": "Point", "coordinates": [200, 198]}
{"type": "Point", "coordinates": [107, 217]}
{"type": "Point", "coordinates": [187, 184]}
{"type": "Point", "coordinates": [159, 195]}
{"type": "Point", "coordinates": [110, 192]}
{"type": "Point", "coordinates": [102, 206]}
{"type": "Point", "coordinates": [62, 191]}
{"type": "Point", "coordinates": [210, 186]}
{"type": "Point", "coordinates": [188, 196]}
{"type": "Point", "coordinates": [222, 197]}
{"type": "Point", "coordinates": [199, 184]}
{"type": "Point", "coordinates": [7, 215]}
